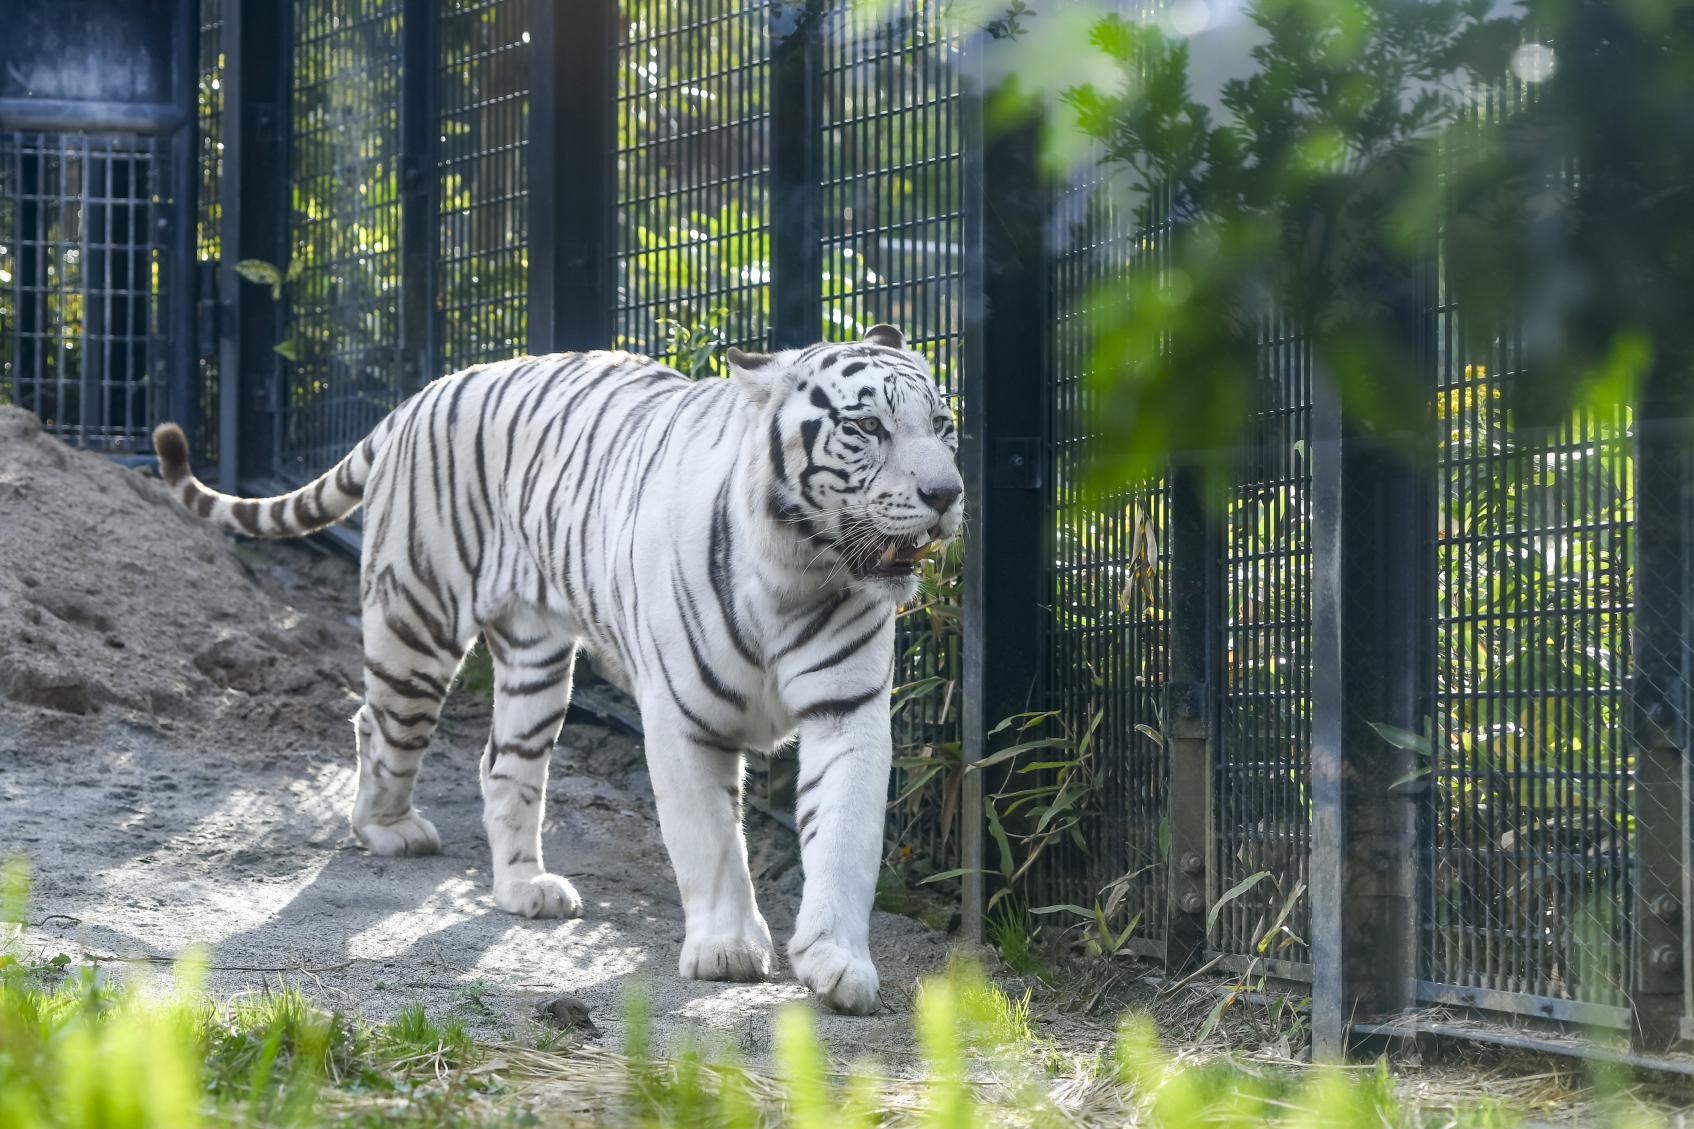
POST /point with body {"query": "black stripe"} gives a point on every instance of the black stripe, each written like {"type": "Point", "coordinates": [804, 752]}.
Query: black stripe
{"type": "Point", "coordinates": [839, 707]}
{"type": "Point", "coordinates": [720, 552]}
{"type": "Point", "coordinates": [418, 684]}
{"type": "Point", "coordinates": [847, 651]}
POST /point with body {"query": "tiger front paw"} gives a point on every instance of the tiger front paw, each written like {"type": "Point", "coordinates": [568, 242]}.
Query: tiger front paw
{"type": "Point", "coordinates": [544, 895]}
{"type": "Point", "coordinates": [410, 835]}
{"type": "Point", "coordinates": [843, 981]}
{"type": "Point", "coordinates": [742, 957]}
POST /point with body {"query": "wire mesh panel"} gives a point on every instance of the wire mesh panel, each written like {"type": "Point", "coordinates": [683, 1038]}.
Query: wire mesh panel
{"type": "Point", "coordinates": [1261, 805]}
{"type": "Point", "coordinates": [1107, 659]}
{"type": "Point", "coordinates": [344, 286]}
{"type": "Point", "coordinates": [893, 251]}
{"type": "Point", "coordinates": [484, 114]}
{"type": "Point", "coordinates": [208, 235]}
{"type": "Point", "coordinates": [82, 283]}
{"type": "Point", "coordinates": [1529, 849]}
{"type": "Point", "coordinates": [692, 218]}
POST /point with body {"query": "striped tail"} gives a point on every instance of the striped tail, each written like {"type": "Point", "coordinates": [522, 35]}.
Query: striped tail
{"type": "Point", "coordinates": [321, 502]}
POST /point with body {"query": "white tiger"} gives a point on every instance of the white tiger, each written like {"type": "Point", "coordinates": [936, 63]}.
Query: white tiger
{"type": "Point", "coordinates": [732, 551]}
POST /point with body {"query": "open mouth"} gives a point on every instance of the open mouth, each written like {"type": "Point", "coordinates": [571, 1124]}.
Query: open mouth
{"type": "Point", "coordinates": [895, 558]}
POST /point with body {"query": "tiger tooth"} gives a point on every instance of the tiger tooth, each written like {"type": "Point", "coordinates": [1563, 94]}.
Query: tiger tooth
{"type": "Point", "coordinates": [888, 554]}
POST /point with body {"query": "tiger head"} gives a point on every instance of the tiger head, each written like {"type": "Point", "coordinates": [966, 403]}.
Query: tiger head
{"type": "Point", "coordinates": [862, 452]}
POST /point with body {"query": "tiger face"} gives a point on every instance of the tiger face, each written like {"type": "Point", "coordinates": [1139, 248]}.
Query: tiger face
{"type": "Point", "coordinates": [862, 450]}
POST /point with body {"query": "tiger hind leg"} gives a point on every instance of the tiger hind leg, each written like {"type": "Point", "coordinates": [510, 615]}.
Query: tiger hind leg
{"type": "Point", "coordinates": [406, 680]}
{"type": "Point", "coordinates": [533, 657]}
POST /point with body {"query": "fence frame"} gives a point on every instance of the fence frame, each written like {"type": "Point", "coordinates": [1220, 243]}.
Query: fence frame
{"type": "Point", "coordinates": [1372, 511]}
{"type": "Point", "coordinates": [1003, 440]}
{"type": "Point", "coordinates": [573, 92]}
{"type": "Point", "coordinates": [254, 226]}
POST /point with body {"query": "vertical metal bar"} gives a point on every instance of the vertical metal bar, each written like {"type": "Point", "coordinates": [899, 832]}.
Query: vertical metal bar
{"type": "Point", "coordinates": [1659, 721]}
{"type": "Point", "coordinates": [96, 288]}
{"type": "Point", "coordinates": [255, 226]}
{"type": "Point", "coordinates": [420, 344]}
{"type": "Point", "coordinates": [1190, 719]}
{"type": "Point", "coordinates": [1372, 536]}
{"type": "Point", "coordinates": [1005, 427]}
{"type": "Point", "coordinates": [796, 101]}
{"type": "Point", "coordinates": [572, 76]}
{"type": "Point", "coordinates": [181, 278]}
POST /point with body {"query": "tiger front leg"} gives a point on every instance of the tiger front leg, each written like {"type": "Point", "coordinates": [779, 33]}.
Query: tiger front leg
{"type": "Point", "coordinates": [697, 783]}
{"type": "Point", "coordinates": [839, 802]}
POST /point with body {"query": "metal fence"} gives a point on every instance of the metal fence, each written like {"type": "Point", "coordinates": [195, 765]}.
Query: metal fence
{"type": "Point", "coordinates": [437, 183]}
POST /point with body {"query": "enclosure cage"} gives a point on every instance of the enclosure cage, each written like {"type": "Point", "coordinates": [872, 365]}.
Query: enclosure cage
{"type": "Point", "coordinates": [1410, 735]}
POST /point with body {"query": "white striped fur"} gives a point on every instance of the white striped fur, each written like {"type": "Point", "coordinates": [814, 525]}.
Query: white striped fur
{"type": "Point", "coordinates": [726, 548]}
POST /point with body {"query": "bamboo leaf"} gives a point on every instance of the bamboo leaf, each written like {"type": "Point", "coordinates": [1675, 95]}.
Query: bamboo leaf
{"type": "Point", "coordinates": [1232, 893]}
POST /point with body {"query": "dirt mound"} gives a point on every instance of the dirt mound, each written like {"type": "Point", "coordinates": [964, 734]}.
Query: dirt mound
{"type": "Point", "coordinates": [117, 604]}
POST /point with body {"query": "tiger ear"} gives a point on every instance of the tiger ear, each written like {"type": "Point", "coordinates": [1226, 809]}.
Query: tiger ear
{"type": "Point", "coordinates": [760, 375]}
{"type": "Point", "coordinates": [885, 335]}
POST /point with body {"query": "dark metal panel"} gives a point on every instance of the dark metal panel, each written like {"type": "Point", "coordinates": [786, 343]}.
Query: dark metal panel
{"type": "Point", "coordinates": [797, 140]}
{"type": "Point", "coordinates": [61, 114]}
{"type": "Point", "coordinates": [254, 226]}
{"type": "Point", "coordinates": [209, 160]}
{"type": "Point", "coordinates": [182, 400]}
{"type": "Point", "coordinates": [1659, 720]}
{"type": "Point", "coordinates": [572, 85]}
{"type": "Point", "coordinates": [1007, 545]}
{"type": "Point", "coordinates": [419, 211]}
{"type": "Point", "coordinates": [1189, 716]}
{"type": "Point", "coordinates": [115, 52]}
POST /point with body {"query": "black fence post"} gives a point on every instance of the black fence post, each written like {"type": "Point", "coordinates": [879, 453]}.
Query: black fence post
{"type": "Point", "coordinates": [796, 101]}
{"type": "Point", "coordinates": [1189, 713]}
{"type": "Point", "coordinates": [1003, 449]}
{"type": "Point", "coordinates": [1660, 704]}
{"type": "Point", "coordinates": [255, 226]}
{"type": "Point", "coordinates": [182, 400]}
{"type": "Point", "coordinates": [572, 116]}
{"type": "Point", "coordinates": [1372, 532]}
{"type": "Point", "coordinates": [420, 352]}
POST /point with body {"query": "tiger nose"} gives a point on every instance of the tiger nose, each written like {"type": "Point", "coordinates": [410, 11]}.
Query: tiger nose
{"type": "Point", "coordinates": [939, 498]}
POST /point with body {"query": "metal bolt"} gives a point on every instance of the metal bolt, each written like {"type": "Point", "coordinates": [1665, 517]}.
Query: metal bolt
{"type": "Point", "coordinates": [1666, 907]}
{"type": "Point", "coordinates": [1017, 460]}
{"type": "Point", "coordinates": [1189, 710]}
{"type": "Point", "coordinates": [1659, 714]}
{"type": "Point", "coordinates": [1664, 958]}
{"type": "Point", "coordinates": [1192, 902]}
{"type": "Point", "coordinates": [1192, 863]}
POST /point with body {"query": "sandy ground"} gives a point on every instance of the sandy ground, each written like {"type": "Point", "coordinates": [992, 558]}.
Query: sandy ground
{"type": "Point", "coordinates": [176, 766]}
{"type": "Point", "coordinates": [142, 846]}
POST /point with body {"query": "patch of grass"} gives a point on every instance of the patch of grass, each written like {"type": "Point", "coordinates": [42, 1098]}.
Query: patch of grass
{"type": "Point", "coordinates": [77, 1052]}
{"type": "Point", "coordinates": [1009, 932]}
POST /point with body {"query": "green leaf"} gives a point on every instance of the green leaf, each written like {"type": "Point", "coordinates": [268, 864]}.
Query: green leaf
{"type": "Point", "coordinates": [1064, 908]}
{"type": "Point", "coordinates": [1211, 1023]}
{"type": "Point", "coordinates": [289, 350]}
{"type": "Point", "coordinates": [1232, 893]}
{"type": "Point", "coordinates": [257, 270]}
{"type": "Point", "coordinates": [1404, 738]}
{"type": "Point", "coordinates": [954, 873]}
